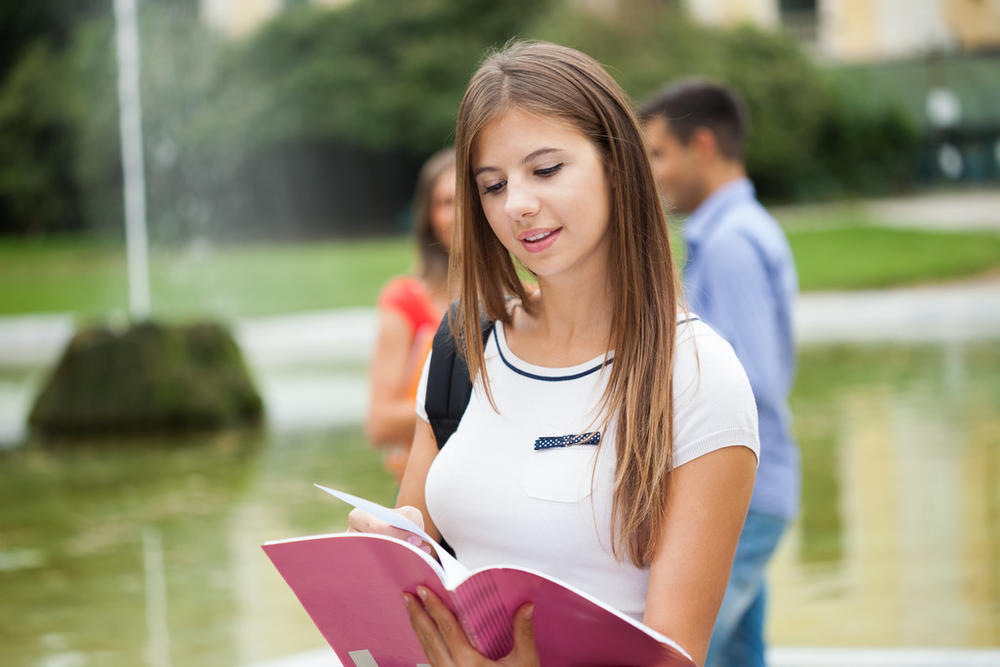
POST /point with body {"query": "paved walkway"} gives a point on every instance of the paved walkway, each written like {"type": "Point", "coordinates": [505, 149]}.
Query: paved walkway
{"type": "Point", "coordinates": [952, 312]}
{"type": "Point", "coordinates": [336, 336]}
{"type": "Point", "coordinates": [954, 210]}
{"type": "Point", "coordinates": [970, 209]}
{"type": "Point", "coordinates": [292, 354]}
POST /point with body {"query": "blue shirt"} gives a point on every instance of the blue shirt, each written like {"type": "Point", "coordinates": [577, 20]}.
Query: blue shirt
{"type": "Point", "coordinates": [740, 279]}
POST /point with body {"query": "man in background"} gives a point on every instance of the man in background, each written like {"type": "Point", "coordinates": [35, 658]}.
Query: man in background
{"type": "Point", "coordinates": [740, 279]}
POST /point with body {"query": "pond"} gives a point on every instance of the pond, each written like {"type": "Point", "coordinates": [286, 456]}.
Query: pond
{"type": "Point", "coordinates": [898, 542]}
{"type": "Point", "coordinates": [132, 552]}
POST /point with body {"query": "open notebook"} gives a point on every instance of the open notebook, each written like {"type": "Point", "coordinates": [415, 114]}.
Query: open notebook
{"type": "Point", "coordinates": [351, 585]}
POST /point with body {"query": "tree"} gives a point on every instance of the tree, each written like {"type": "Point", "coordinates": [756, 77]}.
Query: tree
{"type": "Point", "coordinates": [38, 114]}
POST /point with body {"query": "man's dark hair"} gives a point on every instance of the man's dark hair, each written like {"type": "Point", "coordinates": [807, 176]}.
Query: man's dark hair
{"type": "Point", "coordinates": [693, 103]}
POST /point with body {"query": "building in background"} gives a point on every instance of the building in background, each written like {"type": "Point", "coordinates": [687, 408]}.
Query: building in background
{"type": "Point", "coordinates": [867, 30]}
{"type": "Point", "coordinates": [841, 30]}
{"type": "Point", "coordinates": [940, 59]}
{"type": "Point", "coordinates": [238, 18]}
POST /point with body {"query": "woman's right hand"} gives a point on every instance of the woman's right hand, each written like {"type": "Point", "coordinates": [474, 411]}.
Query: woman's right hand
{"type": "Point", "coordinates": [360, 521]}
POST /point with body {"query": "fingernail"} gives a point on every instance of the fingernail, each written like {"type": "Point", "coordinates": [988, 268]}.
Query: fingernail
{"type": "Point", "coordinates": [422, 592]}
{"type": "Point", "coordinates": [414, 540]}
{"type": "Point", "coordinates": [531, 612]}
{"type": "Point", "coordinates": [406, 600]}
{"type": "Point", "coordinates": [426, 548]}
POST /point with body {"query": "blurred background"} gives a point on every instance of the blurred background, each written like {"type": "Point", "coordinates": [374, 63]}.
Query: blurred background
{"type": "Point", "coordinates": [282, 139]}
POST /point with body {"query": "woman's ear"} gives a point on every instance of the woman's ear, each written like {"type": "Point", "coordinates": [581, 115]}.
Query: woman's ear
{"type": "Point", "coordinates": [611, 174]}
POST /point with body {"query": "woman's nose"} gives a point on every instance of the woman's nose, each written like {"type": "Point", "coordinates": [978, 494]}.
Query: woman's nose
{"type": "Point", "coordinates": [521, 202]}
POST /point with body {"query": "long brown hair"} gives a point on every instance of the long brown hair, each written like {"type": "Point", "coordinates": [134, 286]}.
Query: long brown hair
{"type": "Point", "coordinates": [433, 255]}
{"type": "Point", "coordinates": [556, 81]}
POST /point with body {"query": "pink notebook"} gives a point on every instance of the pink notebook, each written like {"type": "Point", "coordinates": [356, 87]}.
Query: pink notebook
{"type": "Point", "coordinates": [351, 585]}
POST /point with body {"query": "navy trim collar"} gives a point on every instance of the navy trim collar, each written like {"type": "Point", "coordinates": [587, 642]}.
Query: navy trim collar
{"type": "Point", "coordinates": [560, 378]}
{"type": "Point", "coordinates": [546, 378]}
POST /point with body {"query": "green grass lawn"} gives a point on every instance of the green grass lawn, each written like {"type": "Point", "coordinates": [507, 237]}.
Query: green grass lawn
{"type": "Point", "coordinates": [860, 257]}
{"type": "Point", "coordinates": [87, 277]}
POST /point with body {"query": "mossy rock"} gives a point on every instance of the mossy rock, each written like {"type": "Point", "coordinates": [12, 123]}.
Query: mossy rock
{"type": "Point", "coordinates": [150, 378]}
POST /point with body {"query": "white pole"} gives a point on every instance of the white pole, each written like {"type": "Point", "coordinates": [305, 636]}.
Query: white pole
{"type": "Point", "coordinates": [130, 122]}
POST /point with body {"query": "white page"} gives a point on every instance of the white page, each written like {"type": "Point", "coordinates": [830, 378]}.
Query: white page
{"type": "Point", "coordinates": [453, 570]}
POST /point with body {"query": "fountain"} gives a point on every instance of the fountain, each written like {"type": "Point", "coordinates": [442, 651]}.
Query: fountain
{"type": "Point", "coordinates": [152, 376]}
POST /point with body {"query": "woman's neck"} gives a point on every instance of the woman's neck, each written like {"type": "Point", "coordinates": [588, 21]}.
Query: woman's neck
{"type": "Point", "coordinates": [569, 322]}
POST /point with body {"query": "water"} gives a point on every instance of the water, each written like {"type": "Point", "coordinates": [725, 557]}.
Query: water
{"type": "Point", "coordinates": [898, 543]}
{"type": "Point", "coordinates": [73, 575]}
{"type": "Point", "coordinates": [147, 552]}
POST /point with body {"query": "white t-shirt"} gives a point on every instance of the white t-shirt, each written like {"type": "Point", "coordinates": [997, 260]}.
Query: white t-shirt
{"type": "Point", "coordinates": [501, 499]}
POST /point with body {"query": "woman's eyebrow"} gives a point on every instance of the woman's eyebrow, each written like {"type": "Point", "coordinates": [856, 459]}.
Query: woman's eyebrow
{"type": "Point", "coordinates": [541, 151]}
{"type": "Point", "coordinates": [527, 158]}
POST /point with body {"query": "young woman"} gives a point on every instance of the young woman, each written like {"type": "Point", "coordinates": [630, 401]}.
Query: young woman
{"type": "Point", "coordinates": [409, 310]}
{"type": "Point", "coordinates": [611, 437]}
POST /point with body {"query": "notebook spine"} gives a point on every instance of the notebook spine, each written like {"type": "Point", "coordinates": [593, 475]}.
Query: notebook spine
{"type": "Point", "coordinates": [483, 616]}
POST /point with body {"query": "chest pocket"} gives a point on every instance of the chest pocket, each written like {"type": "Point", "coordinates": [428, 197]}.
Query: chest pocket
{"type": "Point", "coordinates": [559, 474]}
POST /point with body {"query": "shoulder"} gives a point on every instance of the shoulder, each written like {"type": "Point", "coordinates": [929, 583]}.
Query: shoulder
{"type": "Point", "coordinates": [749, 214]}
{"type": "Point", "coordinates": [410, 297]}
{"type": "Point", "coordinates": [742, 247]}
{"type": "Point", "coordinates": [750, 230]}
{"type": "Point", "coordinates": [700, 351]}
{"type": "Point", "coordinates": [714, 405]}
{"type": "Point", "coordinates": [401, 287]}
{"type": "Point", "coordinates": [733, 242]}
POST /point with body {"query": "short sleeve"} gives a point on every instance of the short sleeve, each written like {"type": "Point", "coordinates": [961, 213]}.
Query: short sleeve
{"type": "Point", "coordinates": [422, 389]}
{"type": "Point", "coordinates": [408, 297]}
{"type": "Point", "coordinates": [714, 405]}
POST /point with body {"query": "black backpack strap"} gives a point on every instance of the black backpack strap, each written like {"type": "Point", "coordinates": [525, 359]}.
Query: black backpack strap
{"type": "Point", "coordinates": [448, 384]}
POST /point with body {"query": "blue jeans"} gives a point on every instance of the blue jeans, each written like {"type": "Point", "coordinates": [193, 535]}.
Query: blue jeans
{"type": "Point", "coordinates": [738, 636]}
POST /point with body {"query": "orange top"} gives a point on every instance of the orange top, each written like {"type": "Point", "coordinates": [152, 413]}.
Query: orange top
{"type": "Point", "coordinates": [408, 296]}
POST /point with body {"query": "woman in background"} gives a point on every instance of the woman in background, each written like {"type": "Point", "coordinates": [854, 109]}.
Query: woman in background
{"type": "Point", "coordinates": [409, 310]}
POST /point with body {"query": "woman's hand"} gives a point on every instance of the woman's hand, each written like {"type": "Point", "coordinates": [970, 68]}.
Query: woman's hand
{"type": "Point", "coordinates": [445, 642]}
{"type": "Point", "coordinates": [360, 521]}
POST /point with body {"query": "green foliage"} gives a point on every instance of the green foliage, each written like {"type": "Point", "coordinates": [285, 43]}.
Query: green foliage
{"type": "Point", "coordinates": [59, 143]}
{"type": "Point", "coordinates": [864, 146]}
{"type": "Point", "coordinates": [383, 75]}
{"type": "Point", "coordinates": [38, 115]}
{"type": "Point", "coordinates": [807, 138]}
{"type": "Point", "coordinates": [323, 116]}
{"type": "Point", "coordinates": [786, 99]}
{"type": "Point", "coordinates": [868, 152]}
{"type": "Point", "coordinates": [24, 24]}
{"type": "Point", "coordinates": [328, 114]}
{"type": "Point", "coordinates": [146, 379]}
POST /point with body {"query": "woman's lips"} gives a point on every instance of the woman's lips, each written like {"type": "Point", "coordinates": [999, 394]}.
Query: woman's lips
{"type": "Point", "coordinates": [537, 240]}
